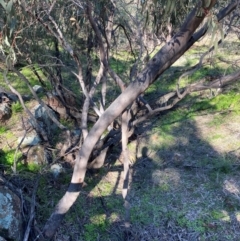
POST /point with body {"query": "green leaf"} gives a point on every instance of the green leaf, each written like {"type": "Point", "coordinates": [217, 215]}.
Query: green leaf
{"type": "Point", "coordinates": [3, 4]}
{"type": "Point", "coordinates": [6, 41]}
{"type": "Point", "coordinates": [9, 6]}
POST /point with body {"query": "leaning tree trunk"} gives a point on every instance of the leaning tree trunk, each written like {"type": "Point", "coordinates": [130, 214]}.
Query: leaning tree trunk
{"type": "Point", "coordinates": [156, 66]}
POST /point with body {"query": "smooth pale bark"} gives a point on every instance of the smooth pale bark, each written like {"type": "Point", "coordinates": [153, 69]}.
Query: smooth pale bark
{"type": "Point", "coordinates": [156, 66]}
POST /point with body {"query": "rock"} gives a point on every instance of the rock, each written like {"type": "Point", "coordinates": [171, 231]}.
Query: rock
{"type": "Point", "coordinates": [5, 108]}
{"type": "Point", "coordinates": [76, 132]}
{"type": "Point", "coordinates": [8, 94]}
{"type": "Point", "coordinates": [56, 169]}
{"type": "Point", "coordinates": [43, 118]}
{"type": "Point", "coordinates": [38, 155]}
{"type": "Point", "coordinates": [2, 239]}
{"type": "Point", "coordinates": [10, 215]}
{"type": "Point", "coordinates": [29, 141]}
{"type": "Point", "coordinates": [5, 112]}
{"type": "Point", "coordinates": [38, 89]}
{"type": "Point", "coordinates": [55, 103]}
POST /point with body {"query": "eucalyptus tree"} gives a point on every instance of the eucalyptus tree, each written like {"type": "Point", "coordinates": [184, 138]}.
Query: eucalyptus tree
{"type": "Point", "coordinates": [60, 37]}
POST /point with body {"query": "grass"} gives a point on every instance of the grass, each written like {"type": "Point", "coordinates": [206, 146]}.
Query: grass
{"type": "Point", "coordinates": [97, 228]}
{"type": "Point", "coordinates": [7, 161]}
{"type": "Point", "coordinates": [184, 170]}
{"type": "Point", "coordinates": [3, 129]}
{"type": "Point", "coordinates": [186, 205]}
{"type": "Point", "coordinates": [17, 107]}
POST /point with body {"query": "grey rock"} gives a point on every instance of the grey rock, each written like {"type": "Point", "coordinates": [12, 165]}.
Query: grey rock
{"type": "Point", "coordinates": [76, 132]}
{"type": "Point", "coordinates": [38, 89]}
{"type": "Point", "coordinates": [56, 169]}
{"type": "Point", "coordinates": [10, 215]}
{"type": "Point", "coordinates": [2, 239]}
{"type": "Point", "coordinates": [38, 155]}
{"type": "Point", "coordinates": [12, 97]}
{"type": "Point", "coordinates": [5, 112]}
{"type": "Point", "coordinates": [8, 94]}
{"type": "Point", "coordinates": [43, 118]}
{"type": "Point", "coordinates": [29, 141]}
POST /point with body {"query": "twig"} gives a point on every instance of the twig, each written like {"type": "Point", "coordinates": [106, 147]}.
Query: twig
{"type": "Point", "coordinates": [20, 143]}
{"type": "Point", "coordinates": [32, 211]}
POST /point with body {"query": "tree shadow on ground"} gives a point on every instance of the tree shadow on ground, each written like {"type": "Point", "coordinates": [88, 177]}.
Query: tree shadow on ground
{"type": "Point", "coordinates": [179, 187]}
{"type": "Point", "coordinates": [182, 188]}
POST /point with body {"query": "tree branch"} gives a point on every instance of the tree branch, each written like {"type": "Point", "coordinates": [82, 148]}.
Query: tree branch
{"type": "Point", "coordinates": [159, 63]}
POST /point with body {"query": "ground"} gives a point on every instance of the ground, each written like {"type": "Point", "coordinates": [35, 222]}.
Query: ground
{"type": "Point", "coordinates": [185, 186]}
{"type": "Point", "coordinates": [184, 176]}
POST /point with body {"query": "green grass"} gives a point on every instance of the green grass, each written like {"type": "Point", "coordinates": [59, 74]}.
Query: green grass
{"type": "Point", "coordinates": [120, 64]}
{"type": "Point", "coordinates": [17, 107]}
{"type": "Point", "coordinates": [156, 205]}
{"type": "Point", "coordinates": [97, 228]}
{"type": "Point", "coordinates": [3, 130]}
{"type": "Point", "coordinates": [19, 84]}
{"type": "Point", "coordinates": [222, 102]}
{"type": "Point", "coordinates": [185, 196]}
{"type": "Point", "coordinates": [7, 161]}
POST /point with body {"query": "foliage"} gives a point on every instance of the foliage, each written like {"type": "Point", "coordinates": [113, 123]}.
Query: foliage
{"type": "Point", "coordinates": [88, 54]}
{"type": "Point", "coordinates": [17, 107]}
{"type": "Point", "coordinates": [3, 129]}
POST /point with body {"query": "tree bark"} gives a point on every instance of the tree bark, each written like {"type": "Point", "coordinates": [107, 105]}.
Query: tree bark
{"type": "Point", "coordinates": [156, 66]}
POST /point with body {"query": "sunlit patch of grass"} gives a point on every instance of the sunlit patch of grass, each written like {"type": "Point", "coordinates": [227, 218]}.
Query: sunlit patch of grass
{"type": "Point", "coordinates": [28, 73]}
{"type": "Point", "coordinates": [222, 102]}
{"type": "Point", "coordinates": [8, 134]}
{"type": "Point", "coordinates": [214, 137]}
{"type": "Point", "coordinates": [230, 100]}
{"type": "Point", "coordinates": [166, 83]}
{"type": "Point", "coordinates": [19, 84]}
{"type": "Point", "coordinates": [132, 148]}
{"type": "Point", "coordinates": [33, 167]}
{"type": "Point", "coordinates": [7, 158]}
{"type": "Point", "coordinates": [32, 78]}
{"type": "Point", "coordinates": [17, 107]}
{"type": "Point", "coordinates": [220, 215]}
{"type": "Point", "coordinates": [3, 130]}
{"type": "Point", "coordinates": [217, 120]}
{"type": "Point", "coordinates": [161, 140]}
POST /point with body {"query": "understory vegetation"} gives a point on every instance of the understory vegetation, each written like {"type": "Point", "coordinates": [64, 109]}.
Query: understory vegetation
{"type": "Point", "coordinates": [119, 120]}
{"type": "Point", "coordinates": [185, 168]}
